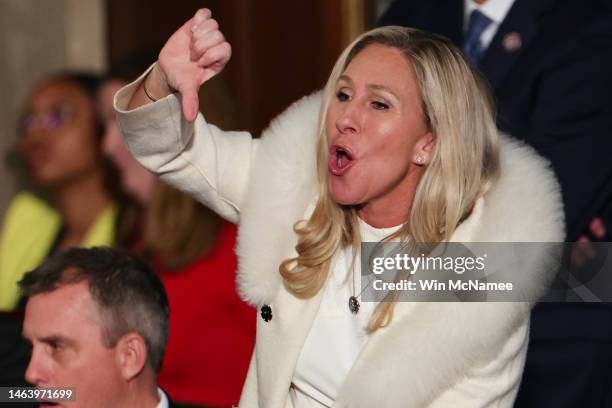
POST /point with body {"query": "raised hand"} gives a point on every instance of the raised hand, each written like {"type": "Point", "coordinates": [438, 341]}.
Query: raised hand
{"type": "Point", "coordinates": [192, 55]}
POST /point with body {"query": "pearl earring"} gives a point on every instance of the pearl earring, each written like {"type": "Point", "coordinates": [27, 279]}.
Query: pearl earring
{"type": "Point", "coordinates": [419, 159]}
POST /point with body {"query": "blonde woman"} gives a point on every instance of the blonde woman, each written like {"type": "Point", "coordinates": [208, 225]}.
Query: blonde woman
{"type": "Point", "coordinates": [405, 148]}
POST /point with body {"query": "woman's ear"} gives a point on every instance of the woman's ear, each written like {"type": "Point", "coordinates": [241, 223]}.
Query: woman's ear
{"type": "Point", "coordinates": [131, 352]}
{"type": "Point", "coordinates": [423, 149]}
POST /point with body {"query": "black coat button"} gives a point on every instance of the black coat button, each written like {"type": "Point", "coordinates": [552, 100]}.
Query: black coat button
{"type": "Point", "coordinates": [266, 313]}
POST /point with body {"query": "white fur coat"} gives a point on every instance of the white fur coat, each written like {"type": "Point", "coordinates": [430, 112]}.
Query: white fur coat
{"type": "Point", "coordinates": [266, 185]}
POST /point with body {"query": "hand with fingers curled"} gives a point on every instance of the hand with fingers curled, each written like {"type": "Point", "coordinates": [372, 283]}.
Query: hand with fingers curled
{"type": "Point", "coordinates": [195, 53]}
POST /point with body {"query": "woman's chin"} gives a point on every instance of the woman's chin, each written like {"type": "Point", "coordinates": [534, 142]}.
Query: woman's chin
{"type": "Point", "coordinates": [343, 197]}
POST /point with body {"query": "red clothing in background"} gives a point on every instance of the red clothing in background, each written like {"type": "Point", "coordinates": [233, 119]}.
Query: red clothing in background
{"type": "Point", "coordinates": [212, 331]}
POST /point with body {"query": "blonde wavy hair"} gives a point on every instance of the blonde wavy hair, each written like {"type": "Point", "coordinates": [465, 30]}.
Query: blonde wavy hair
{"type": "Point", "coordinates": [458, 109]}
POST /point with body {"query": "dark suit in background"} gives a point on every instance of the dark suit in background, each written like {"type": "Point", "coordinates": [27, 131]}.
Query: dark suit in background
{"type": "Point", "coordinates": [554, 91]}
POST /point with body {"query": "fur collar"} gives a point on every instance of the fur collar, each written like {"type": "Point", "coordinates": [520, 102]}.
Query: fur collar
{"type": "Point", "coordinates": [524, 205]}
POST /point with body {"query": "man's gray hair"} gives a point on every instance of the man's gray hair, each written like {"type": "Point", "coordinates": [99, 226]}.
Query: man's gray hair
{"type": "Point", "coordinates": [130, 296]}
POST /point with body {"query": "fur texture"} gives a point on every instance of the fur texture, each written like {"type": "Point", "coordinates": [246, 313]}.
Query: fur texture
{"type": "Point", "coordinates": [429, 346]}
{"type": "Point", "coordinates": [282, 187]}
{"type": "Point", "coordinates": [524, 205]}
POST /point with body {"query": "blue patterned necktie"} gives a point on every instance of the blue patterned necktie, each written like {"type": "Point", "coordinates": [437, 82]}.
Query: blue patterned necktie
{"type": "Point", "coordinates": [471, 44]}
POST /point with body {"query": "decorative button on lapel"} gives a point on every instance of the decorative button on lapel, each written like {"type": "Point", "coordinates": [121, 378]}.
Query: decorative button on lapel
{"type": "Point", "coordinates": [512, 41]}
{"type": "Point", "coordinates": [266, 313]}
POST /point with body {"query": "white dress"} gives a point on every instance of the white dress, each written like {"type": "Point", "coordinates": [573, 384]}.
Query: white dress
{"type": "Point", "coordinates": [337, 335]}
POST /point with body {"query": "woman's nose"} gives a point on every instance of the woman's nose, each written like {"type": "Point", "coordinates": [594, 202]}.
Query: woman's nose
{"type": "Point", "coordinates": [349, 120]}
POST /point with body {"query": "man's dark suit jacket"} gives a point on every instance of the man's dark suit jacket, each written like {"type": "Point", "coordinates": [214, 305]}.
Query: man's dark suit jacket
{"type": "Point", "coordinates": [555, 92]}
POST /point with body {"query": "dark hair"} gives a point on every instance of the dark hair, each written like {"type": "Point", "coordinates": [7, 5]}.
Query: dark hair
{"type": "Point", "coordinates": [87, 81]}
{"type": "Point", "coordinates": [130, 296]}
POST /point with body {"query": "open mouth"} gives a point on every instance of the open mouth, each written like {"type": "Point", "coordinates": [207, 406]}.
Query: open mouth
{"type": "Point", "coordinates": [341, 159]}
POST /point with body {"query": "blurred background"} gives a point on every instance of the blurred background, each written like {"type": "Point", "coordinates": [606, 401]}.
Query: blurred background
{"type": "Point", "coordinates": [293, 43]}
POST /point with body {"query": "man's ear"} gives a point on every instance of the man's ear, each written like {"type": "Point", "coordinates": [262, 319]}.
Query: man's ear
{"type": "Point", "coordinates": [423, 149]}
{"type": "Point", "coordinates": [131, 355]}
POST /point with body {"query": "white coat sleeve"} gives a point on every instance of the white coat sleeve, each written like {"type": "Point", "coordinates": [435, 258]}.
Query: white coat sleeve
{"type": "Point", "coordinates": [198, 158]}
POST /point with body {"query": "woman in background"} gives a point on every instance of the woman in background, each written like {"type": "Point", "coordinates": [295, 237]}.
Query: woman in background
{"type": "Point", "coordinates": [70, 200]}
{"type": "Point", "coordinates": [212, 332]}
{"type": "Point", "coordinates": [60, 143]}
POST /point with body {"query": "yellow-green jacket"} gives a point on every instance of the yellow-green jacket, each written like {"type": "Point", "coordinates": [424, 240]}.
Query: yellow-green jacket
{"type": "Point", "coordinates": [29, 229]}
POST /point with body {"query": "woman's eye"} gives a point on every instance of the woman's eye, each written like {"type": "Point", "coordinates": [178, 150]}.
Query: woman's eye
{"type": "Point", "coordinates": [342, 96]}
{"type": "Point", "coordinates": [380, 105]}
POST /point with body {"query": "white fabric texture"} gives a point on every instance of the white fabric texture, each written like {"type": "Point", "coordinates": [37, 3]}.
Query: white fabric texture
{"type": "Point", "coordinates": [336, 336]}
{"type": "Point", "coordinates": [163, 399]}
